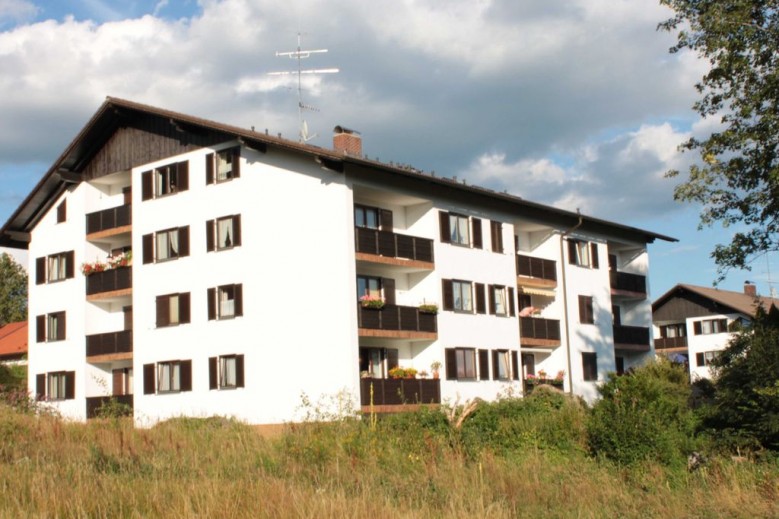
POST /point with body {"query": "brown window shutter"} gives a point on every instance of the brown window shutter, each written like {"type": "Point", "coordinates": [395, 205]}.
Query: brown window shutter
{"type": "Point", "coordinates": [70, 264]}
{"type": "Point", "coordinates": [447, 294]}
{"type": "Point", "coordinates": [210, 235]}
{"type": "Point", "coordinates": [514, 365]}
{"type": "Point", "coordinates": [512, 306]}
{"type": "Point", "coordinates": [40, 386]}
{"type": "Point", "coordinates": [182, 176]}
{"type": "Point", "coordinates": [238, 299]}
{"type": "Point", "coordinates": [184, 241]}
{"type": "Point", "coordinates": [117, 382]}
{"type": "Point", "coordinates": [699, 360]}
{"type": "Point", "coordinates": [491, 296]}
{"type": "Point", "coordinates": [582, 309]}
{"type": "Point", "coordinates": [40, 328]}
{"type": "Point", "coordinates": [186, 375]}
{"type": "Point", "coordinates": [594, 255]}
{"type": "Point", "coordinates": [446, 233]}
{"type": "Point", "coordinates": [385, 220]}
{"type": "Point", "coordinates": [477, 241]}
{"type": "Point", "coordinates": [40, 270]}
{"type": "Point", "coordinates": [60, 326]}
{"type": "Point", "coordinates": [149, 384]}
{"type": "Point", "coordinates": [696, 326]}
{"type": "Point", "coordinates": [146, 185]}
{"type": "Point", "coordinates": [163, 311]}
{"type": "Point", "coordinates": [62, 211]}
{"type": "Point", "coordinates": [451, 363]}
{"type": "Point", "coordinates": [237, 162]}
{"type": "Point", "coordinates": [211, 296]}
{"type": "Point", "coordinates": [495, 365]}
{"type": "Point", "coordinates": [236, 230]}
{"type": "Point", "coordinates": [481, 306]}
{"type": "Point", "coordinates": [572, 252]}
{"type": "Point", "coordinates": [70, 385]}
{"type": "Point", "coordinates": [210, 170]}
{"type": "Point", "coordinates": [147, 248]}
{"type": "Point", "coordinates": [184, 308]}
{"type": "Point", "coordinates": [212, 374]}
{"type": "Point", "coordinates": [239, 382]}
{"type": "Point", "coordinates": [388, 287]}
{"type": "Point", "coordinates": [392, 358]}
{"type": "Point", "coordinates": [484, 365]}
{"type": "Point", "coordinates": [496, 232]}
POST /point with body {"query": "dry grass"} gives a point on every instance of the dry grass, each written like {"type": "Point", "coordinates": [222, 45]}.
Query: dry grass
{"type": "Point", "coordinates": [217, 468]}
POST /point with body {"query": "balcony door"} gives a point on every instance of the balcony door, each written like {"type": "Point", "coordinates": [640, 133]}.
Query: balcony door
{"type": "Point", "coordinates": [376, 362]}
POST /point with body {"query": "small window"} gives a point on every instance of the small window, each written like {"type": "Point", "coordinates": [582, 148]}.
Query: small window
{"type": "Point", "coordinates": [459, 232]}
{"type": "Point", "coordinates": [53, 268]}
{"type": "Point", "coordinates": [498, 300]}
{"type": "Point", "coordinates": [223, 233]}
{"type": "Point", "coordinates": [226, 372]}
{"type": "Point", "coordinates": [225, 302]}
{"type": "Point", "coordinates": [586, 315]}
{"type": "Point", "coordinates": [710, 326]}
{"type": "Point", "coordinates": [51, 327]}
{"type": "Point", "coordinates": [583, 253]}
{"type": "Point", "coordinates": [461, 364]}
{"type": "Point", "coordinates": [462, 291]}
{"type": "Point", "coordinates": [165, 180]}
{"type": "Point", "coordinates": [705, 358]}
{"type": "Point", "coordinates": [62, 211]}
{"type": "Point", "coordinates": [368, 286]}
{"type": "Point", "coordinates": [501, 364]}
{"type": "Point", "coordinates": [223, 165]}
{"type": "Point", "coordinates": [496, 234]}
{"type": "Point", "coordinates": [172, 310]}
{"type": "Point", "coordinates": [670, 331]}
{"type": "Point", "coordinates": [166, 245]}
{"type": "Point", "coordinates": [590, 366]}
{"type": "Point", "coordinates": [367, 217]}
{"type": "Point", "coordinates": [167, 377]}
{"type": "Point", "coordinates": [60, 385]}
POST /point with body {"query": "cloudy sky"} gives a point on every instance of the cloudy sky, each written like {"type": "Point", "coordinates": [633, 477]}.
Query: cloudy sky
{"type": "Point", "coordinates": [577, 104]}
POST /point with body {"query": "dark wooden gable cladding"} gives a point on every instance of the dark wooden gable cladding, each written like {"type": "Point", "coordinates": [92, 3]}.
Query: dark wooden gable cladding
{"type": "Point", "coordinates": [684, 304]}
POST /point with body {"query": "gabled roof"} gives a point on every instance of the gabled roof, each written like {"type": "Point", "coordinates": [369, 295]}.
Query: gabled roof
{"type": "Point", "coordinates": [736, 301]}
{"type": "Point", "coordinates": [115, 113]}
{"type": "Point", "coordinates": [13, 340]}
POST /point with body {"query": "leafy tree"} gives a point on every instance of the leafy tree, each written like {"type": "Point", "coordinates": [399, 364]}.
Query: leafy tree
{"type": "Point", "coordinates": [737, 180]}
{"type": "Point", "coordinates": [13, 291]}
{"type": "Point", "coordinates": [745, 411]}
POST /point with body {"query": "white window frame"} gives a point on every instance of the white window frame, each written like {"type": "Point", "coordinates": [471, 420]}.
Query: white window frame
{"type": "Point", "coordinates": [462, 357]}
{"type": "Point", "coordinates": [169, 377]}
{"type": "Point", "coordinates": [459, 229]}
{"type": "Point", "coordinates": [462, 292]}
{"type": "Point", "coordinates": [499, 295]}
{"type": "Point", "coordinates": [56, 387]}
{"type": "Point", "coordinates": [228, 372]}
{"type": "Point", "coordinates": [167, 244]}
{"type": "Point", "coordinates": [165, 180]}
{"type": "Point", "coordinates": [223, 165]}
{"type": "Point", "coordinates": [226, 241]}
{"type": "Point", "coordinates": [225, 302]}
{"type": "Point", "coordinates": [57, 269]}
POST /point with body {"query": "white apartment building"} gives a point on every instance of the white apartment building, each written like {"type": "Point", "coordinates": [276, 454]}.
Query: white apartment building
{"type": "Point", "coordinates": [695, 323]}
{"type": "Point", "coordinates": [187, 267]}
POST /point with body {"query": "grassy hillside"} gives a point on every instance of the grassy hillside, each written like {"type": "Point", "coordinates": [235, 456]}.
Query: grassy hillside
{"type": "Point", "coordinates": [407, 466]}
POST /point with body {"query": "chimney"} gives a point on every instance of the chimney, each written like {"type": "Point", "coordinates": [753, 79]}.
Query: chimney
{"type": "Point", "coordinates": [347, 141]}
{"type": "Point", "coordinates": [750, 289]}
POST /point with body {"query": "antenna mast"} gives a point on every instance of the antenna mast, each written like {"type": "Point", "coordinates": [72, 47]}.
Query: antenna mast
{"type": "Point", "coordinates": [299, 55]}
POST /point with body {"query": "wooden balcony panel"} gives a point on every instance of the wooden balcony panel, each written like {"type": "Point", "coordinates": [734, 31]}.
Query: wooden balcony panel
{"type": "Point", "coordinates": [529, 267]}
{"type": "Point", "coordinates": [631, 338]}
{"type": "Point", "coordinates": [114, 218]}
{"type": "Point", "coordinates": [530, 342]}
{"type": "Point", "coordinates": [373, 242]}
{"type": "Point", "coordinates": [394, 392]}
{"type": "Point", "coordinates": [664, 343]}
{"type": "Point", "coordinates": [627, 285]}
{"type": "Point", "coordinates": [396, 322]}
{"type": "Point", "coordinates": [111, 343]}
{"type": "Point", "coordinates": [111, 280]}
{"type": "Point", "coordinates": [94, 403]}
{"type": "Point", "coordinates": [525, 281]}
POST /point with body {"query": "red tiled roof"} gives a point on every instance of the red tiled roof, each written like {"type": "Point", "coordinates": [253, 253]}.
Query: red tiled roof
{"type": "Point", "coordinates": [13, 340]}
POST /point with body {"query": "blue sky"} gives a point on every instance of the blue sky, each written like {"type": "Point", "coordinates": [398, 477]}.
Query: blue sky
{"type": "Point", "coordinates": [576, 104]}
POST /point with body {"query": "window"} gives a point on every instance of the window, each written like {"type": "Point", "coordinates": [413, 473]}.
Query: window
{"type": "Point", "coordinates": [462, 296]}
{"type": "Point", "coordinates": [368, 286]}
{"type": "Point", "coordinates": [586, 315]}
{"type": "Point", "coordinates": [378, 361]}
{"type": "Point", "coordinates": [501, 300]}
{"type": "Point", "coordinates": [670, 331]}
{"type": "Point", "coordinates": [50, 328]}
{"type": "Point", "coordinates": [529, 363]}
{"type": "Point", "coordinates": [457, 296]}
{"type": "Point", "coordinates": [57, 267]}
{"type": "Point", "coordinates": [122, 379]}
{"type": "Point", "coordinates": [62, 211]}
{"type": "Point", "coordinates": [505, 365]}
{"type": "Point", "coordinates": [165, 180]}
{"type": "Point", "coordinates": [705, 358]}
{"type": "Point", "coordinates": [223, 165]}
{"type": "Point", "coordinates": [172, 309]}
{"type": "Point", "coordinates": [59, 385]}
{"type": "Point", "coordinates": [167, 377]}
{"type": "Point", "coordinates": [620, 365]}
{"type": "Point", "coordinates": [223, 233]}
{"type": "Point", "coordinates": [367, 217]}
{"type": "Point", "coordinates": [496, 235]}
{"type": "Point", "coordinates": [460, 363]}
{"type": "Point", "coordinates": [225, 372]}
{"type": "Point", "coordinates": [166, 245]}
{"type": "Point", "coordinates": [460, 230]}
{"type": "Point", "coordinates": [710, 326]}
{"type": "Point", "coordinates": [590, 366]}
{"type": "Point", "coordinates": [225, 302]}
{"type": "Point", "coordinates": [582, 253]}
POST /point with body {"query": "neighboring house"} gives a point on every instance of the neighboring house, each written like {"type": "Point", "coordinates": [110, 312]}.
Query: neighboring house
{"type": "Point", "coordinates": [188, 267]}
{"type": "Point", "coordinates": [13, 343]}
{"type": "Point", "coordinates": [696, 322]}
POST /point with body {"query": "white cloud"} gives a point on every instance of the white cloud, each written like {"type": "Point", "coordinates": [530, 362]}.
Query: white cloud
{"type": "Point", "coordinates": [16, 11]}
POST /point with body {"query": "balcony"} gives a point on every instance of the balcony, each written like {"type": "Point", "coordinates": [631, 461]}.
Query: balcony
{"type": "Point", "coordinates": [94, 403]}
{"type": "Point", "coordinates": [110, 283]}
{"type": "Point", "coordinates": [110, 346]}
{"type": "Point", "coordinates": [109, 222]}
{"type": "Point", "coordinates": [627, 285]}
{"type": "Point", "coordinates": [398, 394]}
{"type": "Point", "coordinates": [396, 322]}
{"type": "Point", "coordinates": [390, 248]}
{"type": "Point", "coordinates": [633, 338]}
{"type": "Point", "coordinates": [536, 272]}
{"type": "Point", "coordinates": [536, 332]}
{"type": "Point", "coordinates": [671, 343]}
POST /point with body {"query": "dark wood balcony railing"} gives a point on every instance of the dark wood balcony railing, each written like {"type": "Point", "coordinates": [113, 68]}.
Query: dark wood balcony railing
{"type": "Point", "coordinates": [109, 219]}
{"type": "Point", "coordinates": [390, 244]}
{"type": "Point", "coordinates": [536, 267]}
{"type": "Point", "coordinates": [539, 328]}
{"type": "Point", "coordinates": [108, 343]}
{"type": "Point", "coordinates": [391, 317]}
{"type": "Point", "coordinates": [634, 335]}
{"type": "Point", "coordinates": [109, 280]}
{"type": "Point", "coordinates": [94, 403]}
{"type": "Point", "coordinates": [628, 282]}
{"type": "Point", "coordinates": [663, 343]}
{"type": "Point", "coordinates": [389, 391]}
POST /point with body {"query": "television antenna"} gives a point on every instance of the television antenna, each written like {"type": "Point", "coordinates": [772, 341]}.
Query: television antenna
{"type": "Point", "coordinates": [300, 55]}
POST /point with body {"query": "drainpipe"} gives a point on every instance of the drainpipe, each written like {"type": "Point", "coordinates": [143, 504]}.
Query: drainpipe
{"type": "Point", "coordinates": [565, 301]}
